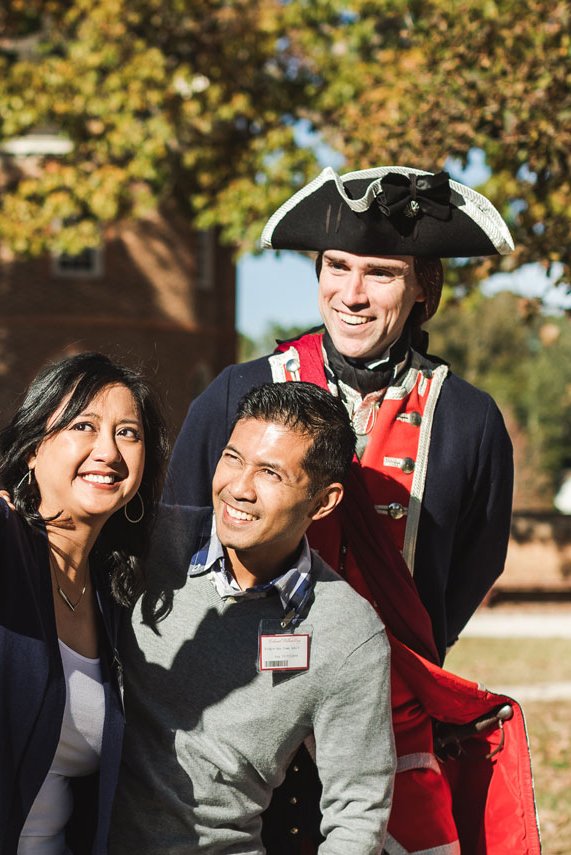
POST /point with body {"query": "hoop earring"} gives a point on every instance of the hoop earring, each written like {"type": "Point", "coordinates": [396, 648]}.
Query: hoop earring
{"type": "Point", "coordinates": [28, 476]}
{"type": "Point", "coordinates": [141, 515]}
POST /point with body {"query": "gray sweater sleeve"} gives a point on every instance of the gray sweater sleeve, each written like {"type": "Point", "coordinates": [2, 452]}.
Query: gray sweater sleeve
{"type": "Point", "coordinates": [354, 752]}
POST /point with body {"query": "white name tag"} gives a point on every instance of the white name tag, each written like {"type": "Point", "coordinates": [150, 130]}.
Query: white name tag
{"type": "Point", "coordinates": [284, 652]}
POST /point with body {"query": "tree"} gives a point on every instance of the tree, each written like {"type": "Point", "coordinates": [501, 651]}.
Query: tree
{"type": "Point", "coordinates": [506, 345]}
{"type": "Point", "coordinates": [201, 100]}
{"type": "Point", "coordinates": [161, 99]}
{"type": "Point", "coordinates": [419, 82]}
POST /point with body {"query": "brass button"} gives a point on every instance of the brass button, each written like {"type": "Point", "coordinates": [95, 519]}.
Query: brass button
{"type": "Point", "coordinates": [294, 830]}
{"type": "Point", "coordinates": [295, 768]}
{"type": "Point", "coordinates": [292, 365]}
{"type": "Point", "coordinates": [407, 465]}
{"type": "Point", "coordinates": [415, 418]}
{"type": "Point", "coordinates": [396, 511]}
{"type": "Point", "coordinates": [293, 800]}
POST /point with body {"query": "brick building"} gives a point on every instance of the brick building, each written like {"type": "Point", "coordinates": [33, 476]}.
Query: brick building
{"type": "Point", "coordinates": [157, 295]}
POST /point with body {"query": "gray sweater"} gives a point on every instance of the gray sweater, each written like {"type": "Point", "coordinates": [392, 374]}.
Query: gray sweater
{"type": "Point", "coordinates": [209, 736]}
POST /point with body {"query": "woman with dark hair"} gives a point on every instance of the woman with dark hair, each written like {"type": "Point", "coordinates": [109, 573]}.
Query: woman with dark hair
{"type": "Point", "coordinates": [83, 459]}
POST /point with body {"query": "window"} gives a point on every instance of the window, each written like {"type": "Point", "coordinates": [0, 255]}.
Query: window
{"type": "Point", "coordinates": [87, 264]}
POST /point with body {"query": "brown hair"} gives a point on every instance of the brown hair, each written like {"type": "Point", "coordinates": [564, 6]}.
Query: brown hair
{"type": "Point", "coordinates": [430, 277]}
{"type": "Point", "coordinates": [315, 413]}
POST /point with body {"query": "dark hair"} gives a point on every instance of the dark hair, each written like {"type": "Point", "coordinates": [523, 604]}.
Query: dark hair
{"type": "Point", "coordinates": [120, 545]}
{"type": "Point", "coordinates": [430, 276]}
{"type": "Point", "coordinates": [315, 413]}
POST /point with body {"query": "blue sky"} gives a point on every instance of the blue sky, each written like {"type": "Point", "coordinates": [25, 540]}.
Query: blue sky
{"type": "Point", "coordinates": [279, 287]}
{"type": "Point", "coordinates": [282, 287]}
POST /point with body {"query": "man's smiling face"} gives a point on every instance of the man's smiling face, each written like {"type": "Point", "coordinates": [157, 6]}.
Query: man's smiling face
{"type": "Point", "coordinates": [365, 300]}
{"type": "Point", "coordinates": [261, 492]}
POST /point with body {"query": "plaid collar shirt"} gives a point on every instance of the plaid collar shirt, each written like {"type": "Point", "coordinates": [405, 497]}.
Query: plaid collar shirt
{"type": "Point", "coordinates": [294, 586]}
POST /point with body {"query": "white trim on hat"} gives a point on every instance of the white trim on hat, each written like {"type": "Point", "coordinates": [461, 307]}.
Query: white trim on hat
{"type": "Point", "coordinates": [328, 174]}
{"type": "Point", "coordinates": [472, 203]}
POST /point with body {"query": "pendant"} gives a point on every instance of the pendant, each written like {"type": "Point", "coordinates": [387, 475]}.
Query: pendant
{"type": "Point", "coordinates": [365, 413]}
{"type": "Point", "coordinates": [67, 600]}
{"type": "Point", "coordinates": [71, 606]}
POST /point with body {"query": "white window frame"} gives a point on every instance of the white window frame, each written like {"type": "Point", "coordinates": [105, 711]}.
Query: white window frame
{"type": "Point", "coordinates": [92, 271]}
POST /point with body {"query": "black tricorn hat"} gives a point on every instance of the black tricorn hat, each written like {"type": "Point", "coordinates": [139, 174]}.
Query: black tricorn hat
{"type": "Point", "coordinates": [390, 210]}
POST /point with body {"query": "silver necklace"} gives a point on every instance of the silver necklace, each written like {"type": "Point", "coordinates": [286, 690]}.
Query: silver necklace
{"type": "Point", "coordinates": [61, 591]}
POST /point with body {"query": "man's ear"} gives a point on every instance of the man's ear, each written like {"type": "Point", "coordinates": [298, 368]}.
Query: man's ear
{"type": "Point", "coordinates": [326, 500]}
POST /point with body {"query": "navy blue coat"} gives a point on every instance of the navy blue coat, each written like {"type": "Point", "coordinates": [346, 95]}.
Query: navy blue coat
{"type": "Point", "coordinates": [466, 508]}
{"type": "Point", "coordinates": [32, 693]}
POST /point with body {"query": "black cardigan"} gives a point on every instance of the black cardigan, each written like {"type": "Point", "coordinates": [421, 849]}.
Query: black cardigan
{"type": "Point", "coordinates": [32, 693]}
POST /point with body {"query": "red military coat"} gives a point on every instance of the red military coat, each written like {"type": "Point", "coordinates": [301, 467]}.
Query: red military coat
{"type": "Point", "coordinates": [460, 787]}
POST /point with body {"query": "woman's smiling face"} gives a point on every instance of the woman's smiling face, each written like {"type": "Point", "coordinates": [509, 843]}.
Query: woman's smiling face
{"type": "Point", "coordinates": [94, 465]}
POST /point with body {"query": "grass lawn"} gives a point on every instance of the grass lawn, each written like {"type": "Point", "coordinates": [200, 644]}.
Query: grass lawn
{"type": "Point", "coordinates": [500, 663]}
{"type": "Point", "coordinates": [550, 740]}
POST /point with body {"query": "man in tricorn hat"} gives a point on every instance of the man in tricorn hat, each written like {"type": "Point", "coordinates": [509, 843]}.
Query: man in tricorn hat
{"type": "Point", "coordinates": [442, 458]}
{"type": "Point", "coordinates": [433, 480]}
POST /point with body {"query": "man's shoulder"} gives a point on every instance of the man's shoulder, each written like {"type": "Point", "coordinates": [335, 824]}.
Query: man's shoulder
{"type": "Point", "coordinates": [458, 388]}
{"type": "Point", "coordinates": [176, 532]}
{"type": "Point", "coordinates": [467, 424]}
{"type": "Point", "coordinates": [466, 408]}
{"type": "Point", "coordinates": [454, 391]}
{"type": "Point", "coordinates": [463, 406]}
{"type": "Point", "coordinates": [334, 596]}
{"type": "Point", "coordinates": [255, 370]}
{"type": "Point", "coordinates": [220, 398]}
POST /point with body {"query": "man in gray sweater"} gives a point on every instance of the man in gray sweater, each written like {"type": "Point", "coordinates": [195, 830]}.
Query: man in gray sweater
{"type": "Point", "coordinates": [246, 645]}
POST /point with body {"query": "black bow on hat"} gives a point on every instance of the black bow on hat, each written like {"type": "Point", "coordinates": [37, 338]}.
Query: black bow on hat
{"type": "Point", "coordinates": [415, 194]}
{"type": "Point", "coordinates": [389, 211]}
